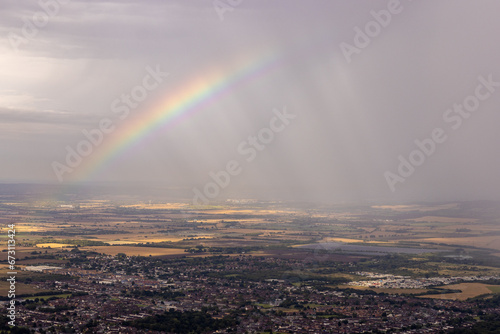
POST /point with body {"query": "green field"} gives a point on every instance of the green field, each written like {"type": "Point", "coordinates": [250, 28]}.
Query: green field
{"type": "Point", "coordinates": [65, 295]}
{"type": "Point", "coordinates": [494, 288]}
{"type": "Point", "coordinates": [21, 289]}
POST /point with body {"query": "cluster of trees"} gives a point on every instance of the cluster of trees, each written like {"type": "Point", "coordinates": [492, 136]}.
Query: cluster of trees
{"type": "Point", "coordinates": [39, 294]}
{"type": "Point", "coordinates": [488, 324]}
{"type": "Point", "coordinates": [76, 242]}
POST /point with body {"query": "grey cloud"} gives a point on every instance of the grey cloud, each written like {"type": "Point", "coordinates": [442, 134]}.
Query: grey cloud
{"type": "Point", "coordinates": [354, 119]}
{"type": "Point", "coordinates": [16, 116]}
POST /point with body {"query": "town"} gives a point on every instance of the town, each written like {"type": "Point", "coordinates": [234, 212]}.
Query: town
{"type": "Point", "coordinates": [120, 294]}
{"type": "Point", "coordinates": [245, 266]}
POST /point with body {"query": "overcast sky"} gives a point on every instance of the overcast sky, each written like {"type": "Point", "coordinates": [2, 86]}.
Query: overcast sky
{"type": "Point", "coordinates": [357, 93]}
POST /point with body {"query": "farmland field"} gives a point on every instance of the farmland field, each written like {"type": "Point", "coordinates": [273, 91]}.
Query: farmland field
{"type": "Point", "coordinates": [53, 245]}
{"type": "Point", "coordinates": [135, 251]}
{"type": "Point", "coordinates": [21, 288]}
{"type": "Point", "coordinates": [492, 242]}
{"type": "Point", "coordinates": [469, 290]}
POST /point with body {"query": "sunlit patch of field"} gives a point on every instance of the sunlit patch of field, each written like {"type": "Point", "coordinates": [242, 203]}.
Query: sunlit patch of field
{"type": "Point", "coordinates": [26, 228]}
{"type": "Point", "coordinates": [90, 206]}
{"type": "Point", "coordinates": [122, 242]}
{"type": "Point", "coordinates": [416, 207]}
{"type": "Point", "coordinates": [469, 290]}
{"type": "Point", "coordinates": [443, 219]}
{"type": "Point", "coordinates": [348, 240]}
{"type": "Point", "coordinates": [195, 235]}
{"type": "Point", "coordinates": [94, 204]}
{"type": "Point", "coordinates": [159, 206]}
{"type": "Point", "coordinates": [492, 242]}
{"type": "Point", "coordinates": [275, 234]}
{"type": "Point", "coordinates": [134, 251]}
{"type": "Point", "coordinates": [214, 221]}
{"type": "Point", "coordinates": [53, 245]}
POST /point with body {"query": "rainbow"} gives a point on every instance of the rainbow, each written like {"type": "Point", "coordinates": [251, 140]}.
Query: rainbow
{"type": "Point", "coordinates": [187, 99]}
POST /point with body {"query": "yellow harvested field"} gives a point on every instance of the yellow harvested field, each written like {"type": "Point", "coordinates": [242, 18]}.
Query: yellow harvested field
{"type": "Point", "coordinates": [122, 242]}
{"type": "Point", "coordinates": [27, 228]}
{"type": "Point", "coordinates": [53, 245]}
{"type": "Point", "coordinates": [135, 251]}
{"type": "Point", "coordinates": [159, 206]}
{"type": "Point", "coordinates": [469, 290]}
{"type": "Point", "coordinates": [348, 240]}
